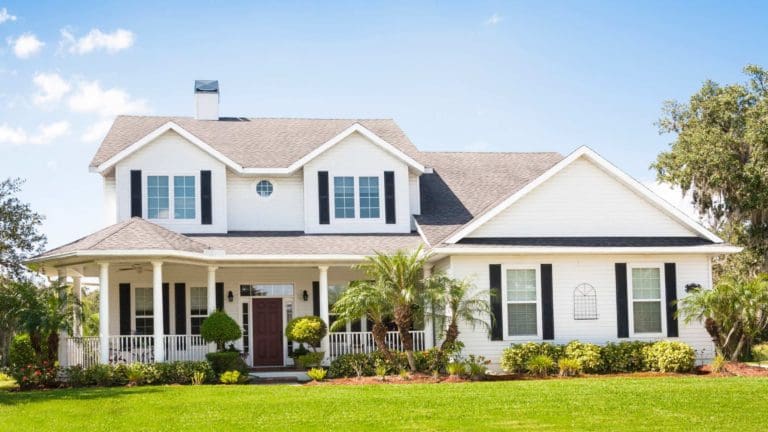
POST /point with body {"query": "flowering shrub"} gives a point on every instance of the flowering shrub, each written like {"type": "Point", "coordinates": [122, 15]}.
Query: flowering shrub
{"type": "Point", "coordinates": [31, 376]}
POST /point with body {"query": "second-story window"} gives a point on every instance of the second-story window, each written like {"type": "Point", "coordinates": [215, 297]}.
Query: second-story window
{"type": "Point", "coordinates": [344, 197]}
{"type": "Point", "coordinates": [369, 197]}
{"type": "Point", "coordinates": [157, 197]}
{"type": "Point", "coordinates": [184, 197]}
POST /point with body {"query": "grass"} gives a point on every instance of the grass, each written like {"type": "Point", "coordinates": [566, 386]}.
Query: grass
{"type": "Point", "coordinates": [609, 403]}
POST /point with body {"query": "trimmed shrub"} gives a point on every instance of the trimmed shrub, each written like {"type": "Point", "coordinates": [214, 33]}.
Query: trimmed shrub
{"type": "Point", "coordinates": [540, 365]}
{"type": "Point", "coordinates": [226, 361]}
{"type": "Point", "coordinates": [220, 328]}
{"type": "Point", "coordinates": [309, 360]}
{"type": "Point", "coordinates": [569, 367]}
{"type": "Point", "coordinates": [140, 374]}
{"type": "Point", "coordinates": [670, 356]}
{"type": "Point", "coordinates": [586, 354]}
{"type": "Point", "coordinates": [623, 357]}
{"type": "Point", "coordinates": [21, 352]}
{"type": "Point", "coordinates": [431, 360]}
{"type": "Point", "coordinates": [516, 357]}
{"type": "Point", "coordinates": [317, 374]}
{"type": "Point", "coordinates": [351, 365]}
{"type": "Point", "coordinates": [308, 330]}
{"type": "Point", "coordinates": [760, 352]}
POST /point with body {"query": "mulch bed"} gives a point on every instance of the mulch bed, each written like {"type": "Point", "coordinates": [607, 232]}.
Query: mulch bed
{"type": "Point", "coordinates": [735, 369]}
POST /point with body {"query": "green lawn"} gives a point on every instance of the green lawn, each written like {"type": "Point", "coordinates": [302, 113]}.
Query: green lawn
{"type": "Point", "coordinates": [669, 403]}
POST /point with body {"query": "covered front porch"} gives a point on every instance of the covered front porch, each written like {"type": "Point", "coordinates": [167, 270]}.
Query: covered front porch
{"type": "Point", "coordinates": [151, 309]}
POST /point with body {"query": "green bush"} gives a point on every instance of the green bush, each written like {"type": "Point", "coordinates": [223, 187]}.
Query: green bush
{"type": "Point", "coordinates": [623, 357]}
{"type": "Point", "coordinates": [139, 374]}
{"type": "Point", "coordinates": [477, 366]}
{"type": "Point", "coordinates": [670, 356]}
{"type": "Point", "coordinates": [100, 375]}
{"type": "Point", "coordinates": [718, 364]}
{"type": "Point", "coordinates": [516, 357]}
{"type": "Point", "coordinates": [586, 354]}
{"type": "Point", "coordinates": [136, 374]}
{"type": "Point", "coordinates": [21, 352]}
{"type": "Point", "coordinates": [569, 367]}
{"type": "Point", "coordinates": [351, 365]}
{"type": "Point", "coordinates": [76, 377]}
{"type": "Point", "coordinates": [431, 360]}
{"type": "Point", "coordinates": [309, 360]}
{"type": "Point", "coordinates": [540, 365]}
{"type": "Point", "coordinates": [308, 330]}
{"type": "Point", "coordinates": [226, 361]}
{"type": "Point", "coordinates": [233, 377]}
{"type": "Point", "coordinates": [220, 328]}
{"type": "Point", "coordinates": [317, 374]}
{"type": "Point", "coordinates": [760, 352]}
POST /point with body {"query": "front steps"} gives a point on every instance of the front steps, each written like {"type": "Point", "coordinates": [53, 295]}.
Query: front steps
{"type": "Point", "coordinates": [278, 376]}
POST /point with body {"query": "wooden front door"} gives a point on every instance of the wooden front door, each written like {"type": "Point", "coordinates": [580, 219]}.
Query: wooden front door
{"type": "Point", "coordinates": [267, 330]}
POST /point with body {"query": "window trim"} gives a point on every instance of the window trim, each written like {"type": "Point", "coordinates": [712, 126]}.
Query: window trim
{"type": "Point", "coordinates": [171, 195]}
{"type": "Point", "coordinates": [631, 300]}
{"type": "Point", "coordinates": [355, 197]}
{"type": "Point", "coordinates": [504, 310]}
{"type": "Point", "coordinates": [379, 190]}
{"type": "Point", "coordinates": [256, 191]}
{"type": "Point", "coordinates": [189, 306]}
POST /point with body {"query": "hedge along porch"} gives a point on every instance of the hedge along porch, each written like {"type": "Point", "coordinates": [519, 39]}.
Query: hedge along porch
{"type": "Point", "coordinates": [151, 309]}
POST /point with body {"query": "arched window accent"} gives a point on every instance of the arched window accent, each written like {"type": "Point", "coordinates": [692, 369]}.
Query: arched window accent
{"type": "Point", "coordinates": [584, 302]}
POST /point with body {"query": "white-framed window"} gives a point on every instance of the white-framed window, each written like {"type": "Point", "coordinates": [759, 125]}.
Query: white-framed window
{"type": "Point", "coordinates": [143, 311]}
{"type": "Point", "coordinates": [647, 313]}
{"type": "Point", "coordinates": [184, 197]}
{"type": "Point", "coordinates": [198, 308]}
{"type": "Point", "coordinates": [344, 197]}
{"type": "Point", "coordinates": [158, 197]}
{"type": "Point", "coordinates": [266, 290]}
{"type": "Point", "coordinates": [521, 295]}
{"type": "Point", "coordinates": [369, 197]}
{"type": "Point", "coordinates": [264, 188]}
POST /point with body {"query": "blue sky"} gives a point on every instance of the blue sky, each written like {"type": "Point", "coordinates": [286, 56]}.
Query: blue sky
{"type": "Point", "coordinates": [489, 76]}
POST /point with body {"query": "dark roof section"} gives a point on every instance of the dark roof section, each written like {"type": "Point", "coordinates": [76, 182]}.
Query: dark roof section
{"type": "Point", "coordinates": [299, 243]}
{"type": "Point", "coordinates": [465, 185]}
{"type": "Point", "coordinates": [251, 142]}
{"type": "Point", "coordinates": [586, 241]}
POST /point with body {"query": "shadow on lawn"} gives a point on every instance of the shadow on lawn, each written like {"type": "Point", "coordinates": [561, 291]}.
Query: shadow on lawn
{"type": "Point", "coordinates": [93, 393]}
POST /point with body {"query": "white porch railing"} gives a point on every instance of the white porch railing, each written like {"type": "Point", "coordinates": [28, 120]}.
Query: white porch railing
{"type": "Point", "coordinates": [85, 351]}
{"type": "Point", "coordinates": [186, 348]}
{"type": "Point", "coordinates": [362, 342]}
{"type": "Point", "coordinates": [131, 349]}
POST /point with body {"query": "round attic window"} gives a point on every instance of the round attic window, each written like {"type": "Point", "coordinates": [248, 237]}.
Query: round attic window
{"type": "Point", "coordinates": [264, 188]}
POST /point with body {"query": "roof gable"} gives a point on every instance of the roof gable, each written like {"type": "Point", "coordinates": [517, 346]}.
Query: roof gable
{"type": "Point", "coordinates": [633, 185]}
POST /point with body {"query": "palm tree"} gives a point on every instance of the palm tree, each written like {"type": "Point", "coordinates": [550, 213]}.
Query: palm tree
{"type": "Point", "coordinates": [401, 278]}
{"type": "Point", "coordinates": [365, 299]}
{"type": "Point", "coordinates": [453, 302]}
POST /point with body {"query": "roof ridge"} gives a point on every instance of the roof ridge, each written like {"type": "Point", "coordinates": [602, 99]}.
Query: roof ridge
{"type": "Point", "coordinates": [260, 118]}
{"type": "Point", "coordinates": [117, 228]}
{"type": "Point", "coordinates": [491, 152]}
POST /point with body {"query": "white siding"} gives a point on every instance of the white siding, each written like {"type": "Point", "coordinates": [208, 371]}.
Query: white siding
{"type": "Point", "coordinates": [567, 273]}
{"type": "Point", "coordinates": [357, 156]}
{"type": "Point", "coordinates": [581, 200]}
{"type": "Point", "coordinates": [413, 184]}
{"type": "Point", "coordinates": [110, 200]}
{"type": "Point", "coordinates": [170, 154]}
{"type": "Point", "coordinates": [281, 211]}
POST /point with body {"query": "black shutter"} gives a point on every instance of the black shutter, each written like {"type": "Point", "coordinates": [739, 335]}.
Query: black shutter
{"type": "Point", "coordinates": [497, 328]}
{"type": "Point", "coordinates": [622, 309]}
{"type": "Point", "coordinates": [180, 300]}
{"type": "Point", "coordinates": [206, 209]}
{"type": "Point", "coordinates": [316, 298]}
{"type": "Point", "coordinates": [323, 197]}
{"type": "Point", "coordinates": [389, 196]}
{"type": "Point", "coordinates": [166, 309]}
{"type": "Point", "coordinates": [125, 308]}
{"type": "Point", "coordinates": [135, 193]}
{"type": "Point", "coordinates": [547, 312]}
{"type": "Point", "coordinates": [220, 296]}
{"type": "Point", "coordinates": [670, 284]}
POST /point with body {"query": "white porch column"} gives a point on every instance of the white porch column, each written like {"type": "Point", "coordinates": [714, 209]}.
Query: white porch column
{"type": "Point", "coordinates": [212, 289]}
{"type": "Point", "coordinates": [104, 312]}
{"type": "Point", "coordinates": [429, 325]}
{"type": "Point", "coordinates": [77, 293]}
{"type": "Point", "coordinates": [157, 308]}
{"type": "Point", "coordinates": [62, 352]}
{"type": "Point", "coordinates": [323, 279]}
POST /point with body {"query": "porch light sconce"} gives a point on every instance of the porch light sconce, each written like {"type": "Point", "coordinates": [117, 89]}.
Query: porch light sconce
{"type": "Point", "coordinates": [692, 287]}
{"type": "Point", "coordinates": [230, 297]}
{"type": "Point", "coordinates": [305, 295]}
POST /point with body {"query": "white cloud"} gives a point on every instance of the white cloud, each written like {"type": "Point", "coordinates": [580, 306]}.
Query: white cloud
{"type": "Point", "coordinates": [95, 40]}
{"type": "Point", "coordinates": [45, 134]}
{"type": "Point", "coordinates": [494, 19]}
{"type": "Point", "coordinates": [5, 16]}
{"type": "Point", "coordinates": [51, 88]}
{"type": "Point", "coordinates": [96, 131]}
{"type": "Point", "coordinates": [26, 45]}
{"type": "Point", "coordinates": [91, 98]}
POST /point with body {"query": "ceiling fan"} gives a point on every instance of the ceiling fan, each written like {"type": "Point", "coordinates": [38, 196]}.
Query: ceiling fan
{"type": "Point", "coordinates": [138, 268]}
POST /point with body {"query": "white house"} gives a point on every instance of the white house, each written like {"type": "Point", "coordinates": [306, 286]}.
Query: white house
{"type": "Point", "coordinates": [265, 217]}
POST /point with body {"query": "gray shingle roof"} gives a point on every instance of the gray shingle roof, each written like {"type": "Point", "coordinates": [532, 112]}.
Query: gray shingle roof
{"type": "Point", "coordinates": [463, 186]}
{"type": "Point", "coordinates": [297, 243]}
{"type": "Point", "coordinates": [251, 142]}
{"type": "Point", "coordinates": [132, 234]}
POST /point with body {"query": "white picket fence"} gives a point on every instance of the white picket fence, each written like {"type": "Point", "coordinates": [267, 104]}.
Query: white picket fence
{"type": "Point", "coordinates": [362, 342]}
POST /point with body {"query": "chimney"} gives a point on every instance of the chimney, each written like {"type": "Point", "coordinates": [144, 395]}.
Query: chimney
{"type": "Point", "coordinates": [206, 100]}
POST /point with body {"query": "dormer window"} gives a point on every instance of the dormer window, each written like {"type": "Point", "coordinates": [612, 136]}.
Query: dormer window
{"type": "Point", "coordinates": [365, 205]}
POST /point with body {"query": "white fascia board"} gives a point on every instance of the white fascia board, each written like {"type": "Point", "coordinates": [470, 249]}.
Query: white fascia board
{"type": "Point", "coordinates": [155, 134]}
{"type": "Point", "coordinates": [714, 249]}
{"type": "Point", "coordinates": [611, 169]}
{"type": "Point", "coordinates": [197, 256]}
{"type": "Point", "coordinates": [357, 127]}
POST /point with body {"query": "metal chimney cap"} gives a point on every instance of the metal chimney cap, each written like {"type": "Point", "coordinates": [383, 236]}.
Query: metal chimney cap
{"type": "Point", "coordinates": [206, 86]}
